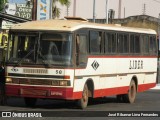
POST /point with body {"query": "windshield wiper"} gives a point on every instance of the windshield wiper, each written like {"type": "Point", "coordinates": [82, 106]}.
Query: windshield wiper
{"type": "Point", "coordinates": [19, 62]}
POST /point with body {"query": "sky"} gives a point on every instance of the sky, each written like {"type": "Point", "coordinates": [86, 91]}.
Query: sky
{"type": "Point", "coordinates": [84, 8]}
{"type": "Point", "coordinates": [132, 7]}
{"type": "Point", "coordinates": [17, 1]}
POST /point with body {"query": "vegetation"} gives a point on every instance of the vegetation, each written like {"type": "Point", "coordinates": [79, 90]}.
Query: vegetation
{"type": "Point", "coordinates": [2, 2]}
{"type": "Point", "coordinates": [55, 10]}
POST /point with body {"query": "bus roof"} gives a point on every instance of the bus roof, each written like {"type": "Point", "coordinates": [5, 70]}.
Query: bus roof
{"type": "Point", "coordinates": [72, 25]}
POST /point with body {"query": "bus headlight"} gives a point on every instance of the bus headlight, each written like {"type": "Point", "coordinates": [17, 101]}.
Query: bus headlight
{"type": "Point", "coordinates": [61, 83]}
{"type": "Point", "coordinates": [8, 80]}
{"type": "Point", "coordinates": [55, 83]}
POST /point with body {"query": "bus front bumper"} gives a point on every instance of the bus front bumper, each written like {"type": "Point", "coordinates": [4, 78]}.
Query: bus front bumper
{"type": "Point", "coordinates": [42, 92]}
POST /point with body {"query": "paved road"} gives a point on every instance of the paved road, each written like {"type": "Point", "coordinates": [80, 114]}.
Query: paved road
{"type": "Point", "coordinates": [146, 101]}
{"type": "Point", "coordinates": [149, 100]}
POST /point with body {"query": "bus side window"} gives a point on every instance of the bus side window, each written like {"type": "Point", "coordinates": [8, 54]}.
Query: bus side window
{"type": "Point", "coordinates": [120, 43]}
{"type": "Point", "coordinates": [81, 43]}
{"type": "Point", "coordinates": [110, 43]}
{"type": "Point", "coordinates": [135, 44]}
{"type": "Point", "coordinates": [145, 39]}
{"type": "Point", "coordinates": [126, 43]}
{"type": "Point", "coordinates": [95, 42]}
{"type": "Point", "coordinates": [153, 47]}
{"type": "Point", "coordinates": [132, 43]}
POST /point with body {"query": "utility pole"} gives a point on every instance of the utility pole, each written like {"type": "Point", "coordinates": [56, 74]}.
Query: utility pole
{"type": "Point", "coordinates": [74, 8]}
{"type": "Point", "coordinates": [51, 9]}
{"type": "Point", "coordinates": [124, 12]}
{"type": "Point", "coordinates": [67, 12]}
{"type": "Point", "coordinates": [107, 2]}
{"type": "Point", "coordinates": [159, 31]}
{"type": "Point", "coordinates": [94, 14]}
{"type": "Point", "coordinates": [144, 9]}
{"type": "Point", "coordinates": [34, 10]}
{"type": "Point", "coordinates": [119, 9]}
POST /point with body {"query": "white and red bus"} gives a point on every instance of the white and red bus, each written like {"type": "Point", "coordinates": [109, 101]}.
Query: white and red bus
{"type": "Point", "coordinates": [78, 60]}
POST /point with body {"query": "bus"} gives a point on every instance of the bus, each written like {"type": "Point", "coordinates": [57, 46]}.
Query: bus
{"type": "Point", "coordinates": [77, 60]}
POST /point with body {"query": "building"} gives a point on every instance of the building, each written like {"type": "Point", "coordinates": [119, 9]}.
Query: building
{"type": "Point", "coordinates": [141, 21]}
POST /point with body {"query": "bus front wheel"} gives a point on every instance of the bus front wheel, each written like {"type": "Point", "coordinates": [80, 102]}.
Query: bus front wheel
{"type": "Point", "coordinates": [83, 102]}
{"type": "Point", "coordinates": [131, 95]}
{"type": "Point", "coordinates": [30, 102]}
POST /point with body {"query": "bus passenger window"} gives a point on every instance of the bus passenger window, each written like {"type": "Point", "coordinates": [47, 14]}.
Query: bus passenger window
{"type": "Point", "coordinates": [120, 43]}
{"type": "Point", "coordinates": [95, 42]}
{"type": "Point", "coordinates": [81, 44]}
{"type": "Point", "coordinates": [145, 44]}
{"type": "Point", "coordinates": [153, 47]}
{"type": "Point", "coordinates": [132, 44]}
{"type": "Point", "coordinates": [126, 43]}
{"type": "Point", "coordinates": [123, 43]}
{"type": "Point", "coordinates": [110, 43]}
{"type": "Point", "coordinates": [137, 44]}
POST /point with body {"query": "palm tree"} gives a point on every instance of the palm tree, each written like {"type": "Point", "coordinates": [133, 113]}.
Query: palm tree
{"type": "Point", "coordinates": [55, 10]}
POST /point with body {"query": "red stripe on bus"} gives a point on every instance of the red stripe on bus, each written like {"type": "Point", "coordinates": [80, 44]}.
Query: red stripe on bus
{"type": "Point", "coordinates": [144, 87]}
{"type": "Point", "coordinates": [110, 91]}
{"type": "Point", "coordinates": [67, 93]}
{"type": "Point", "coordinates": [115, 91]}
{"type": "Point", "coordinates": [121, 90]}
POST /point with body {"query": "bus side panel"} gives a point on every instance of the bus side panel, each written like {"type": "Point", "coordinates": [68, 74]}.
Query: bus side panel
{"type": "Point", "coordinates": [143, 69]}
{"type": "Point", "coordinates": [113, 75]}
{"type": "Point", "coordinates": [97, 70]}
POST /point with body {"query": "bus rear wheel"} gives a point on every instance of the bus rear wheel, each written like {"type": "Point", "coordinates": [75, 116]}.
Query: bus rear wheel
{"type": "Point", "coordinates": [131, 95]}
{"type": "Point", "coordinates": [83, 102]}
{"type": "Point", "coordinates": [30, 102]}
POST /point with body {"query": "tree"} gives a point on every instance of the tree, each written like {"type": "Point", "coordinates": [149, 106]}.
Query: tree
{"type": "Point", "coordinates": [55, 10]}
{"type": "Point", "coordinates": [2, 4]}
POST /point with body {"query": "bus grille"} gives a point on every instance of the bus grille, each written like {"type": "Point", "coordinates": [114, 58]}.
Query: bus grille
{"type": "Point", "coordinates": [32, 81]}
{"type": "Point", "coordinates": [35, 71]}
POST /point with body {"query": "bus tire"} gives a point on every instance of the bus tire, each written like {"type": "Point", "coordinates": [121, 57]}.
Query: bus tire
{"type": "Point", "coordinates": [131, 95]}
{"type": "Point", "coordinates": [30, 102]}
{"type": "Point", "coordinates": [83, 102]}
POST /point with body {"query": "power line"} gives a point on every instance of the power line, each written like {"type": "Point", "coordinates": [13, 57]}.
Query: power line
{"type": "Point", "coordinates": [144, 9]}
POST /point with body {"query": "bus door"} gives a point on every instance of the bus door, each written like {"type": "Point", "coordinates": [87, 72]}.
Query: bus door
{"type": "Point", "coordinates": [81, 61]}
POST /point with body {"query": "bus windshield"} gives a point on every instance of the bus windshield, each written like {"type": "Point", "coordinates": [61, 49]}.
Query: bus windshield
{"type": "Point", "coordinates": [40, 48]}
{"type": "Point", "coordinates": [55, 48]}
